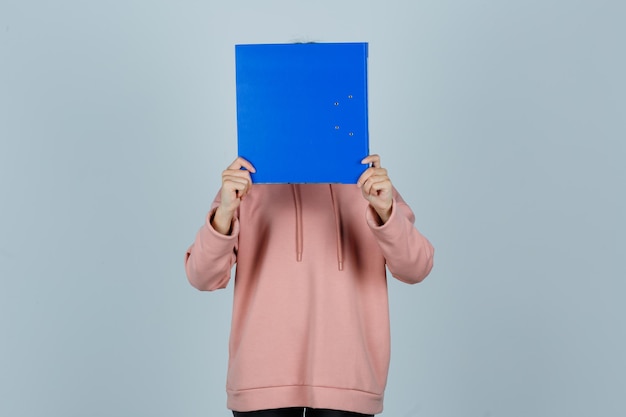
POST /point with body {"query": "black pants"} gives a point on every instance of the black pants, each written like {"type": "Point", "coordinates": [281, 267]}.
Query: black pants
{"type": "Point", "coordinates": [298, 412]}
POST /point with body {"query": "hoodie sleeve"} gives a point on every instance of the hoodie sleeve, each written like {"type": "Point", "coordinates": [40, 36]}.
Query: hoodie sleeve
{"type": "Point", "coordinates": [408, 254]}
{"type": "Point", "coordinates": [210, 258]}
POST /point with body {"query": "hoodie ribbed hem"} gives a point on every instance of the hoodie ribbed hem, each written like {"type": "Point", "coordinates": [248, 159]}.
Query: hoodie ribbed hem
{"type": "Point", "coordinates": [305, 396]}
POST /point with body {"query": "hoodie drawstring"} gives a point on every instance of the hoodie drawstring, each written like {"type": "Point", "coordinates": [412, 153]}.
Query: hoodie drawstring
{"type": "Point", "coordinates": [299, 238]}
{"type": "Point", "coordinates": [337, 228]}
{"type": "Point", "coordinates": [297, 201]}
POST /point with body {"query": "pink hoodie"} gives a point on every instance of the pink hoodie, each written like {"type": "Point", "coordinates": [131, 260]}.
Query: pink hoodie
{"type": "Point", "coordinates": [310, 324]}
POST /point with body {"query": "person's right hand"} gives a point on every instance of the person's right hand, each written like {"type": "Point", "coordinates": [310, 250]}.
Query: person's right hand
{"type": "Point", "coordinates": [236, 183]}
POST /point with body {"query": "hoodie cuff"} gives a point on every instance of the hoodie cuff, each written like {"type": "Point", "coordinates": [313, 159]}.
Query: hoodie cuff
{"type": "Point", "coordinates": [234, 228]}
{"type": "Point", "coordinates": [373, 219]}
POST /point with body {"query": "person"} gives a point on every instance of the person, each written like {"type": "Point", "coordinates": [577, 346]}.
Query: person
{"type": "Point", "coordinates": [310, 320]}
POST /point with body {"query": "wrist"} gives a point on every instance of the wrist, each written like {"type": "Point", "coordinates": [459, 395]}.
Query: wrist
{"type": "Point", "coordinates": [222, 220]}
{"type": "Point", "coordinates": [383, 213]}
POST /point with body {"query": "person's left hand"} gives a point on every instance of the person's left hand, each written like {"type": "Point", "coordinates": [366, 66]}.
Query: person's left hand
{"type": "Point", "coordinates": [376, 187]}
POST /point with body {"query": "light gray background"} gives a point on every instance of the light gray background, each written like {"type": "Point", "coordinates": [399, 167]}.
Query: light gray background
{"type": "Point", "coordinates": [501, 122]}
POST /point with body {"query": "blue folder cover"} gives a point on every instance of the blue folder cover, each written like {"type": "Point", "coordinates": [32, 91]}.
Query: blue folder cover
{"type": "Point", "coordinates": [302, 111]}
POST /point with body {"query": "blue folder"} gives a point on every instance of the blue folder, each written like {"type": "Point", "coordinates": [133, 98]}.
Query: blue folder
{"type": "Point", "coordinates": [302, 111]}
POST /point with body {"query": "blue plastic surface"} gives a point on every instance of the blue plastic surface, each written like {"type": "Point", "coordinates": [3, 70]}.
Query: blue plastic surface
{"type": "Point", "coordinates": [302, 111]}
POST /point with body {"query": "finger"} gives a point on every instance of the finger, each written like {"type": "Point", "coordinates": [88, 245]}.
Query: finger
{"type": "Point", "coordinates": [237, 183]}
{"type": "Point", "coordinates": [238, 188]}
{"type": "Point", "coordinates": [371, 172]}
{"type": "Point", "coordinates": [236, 179]}
{"type": "Point", "coordinates": [367, 187]}
{"type": "Point", "coordinates": [364, 177]}
{"type": "Point", "coordinates": [241, 163]}
{"type": "Point", "coordinates": [372, 159]}
{"type": "Point", "coordinates": [231, 195]}
{"type": "Point", "coordinates": [237, 173]}
{"type": "Point", "coordinates": [376, 184]}
{"type": "Point", "coordinates": [382, 185]}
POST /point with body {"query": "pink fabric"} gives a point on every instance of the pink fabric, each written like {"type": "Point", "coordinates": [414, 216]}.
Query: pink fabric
{"type": "Point", "coordinates": [309, 332]}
